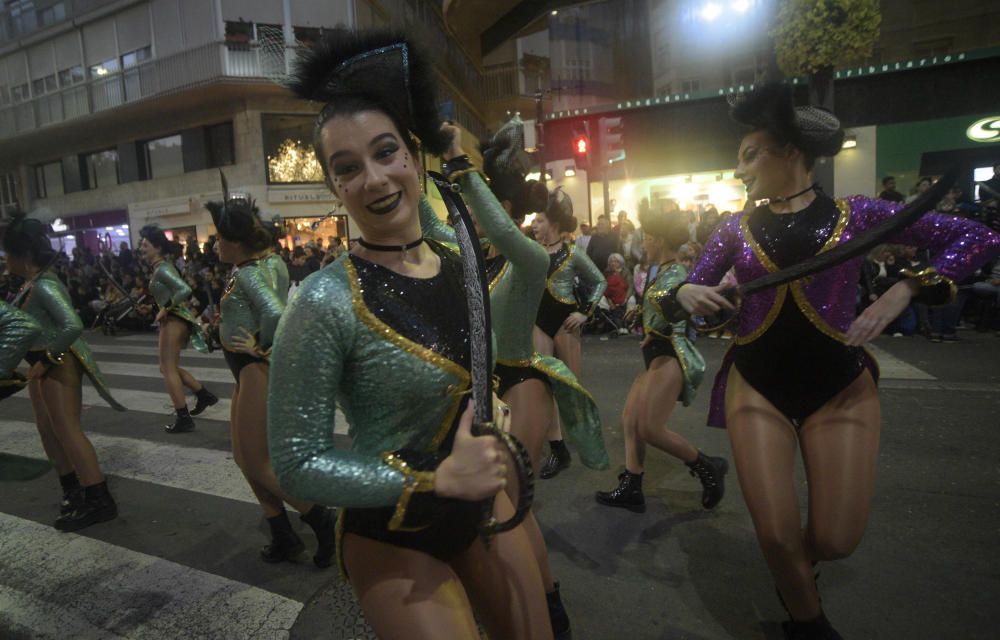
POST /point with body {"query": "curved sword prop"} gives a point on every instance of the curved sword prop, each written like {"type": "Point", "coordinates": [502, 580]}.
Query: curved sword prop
{"type": "Point", "coordinates": [481, 360]}
{"type": "Point", "coordinates": [19, 298]}
{"type": "Point", "coordinates": [858, 245]}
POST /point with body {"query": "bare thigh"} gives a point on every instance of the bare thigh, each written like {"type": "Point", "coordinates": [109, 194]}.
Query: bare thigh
{"type": "Point", "coordinates": [840, 449]}
{"type": "Point", "coordinates": [407, 594]}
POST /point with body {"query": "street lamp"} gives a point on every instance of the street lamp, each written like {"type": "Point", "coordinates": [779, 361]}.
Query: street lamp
{"type": "Point", "coordinates": [710, 11]}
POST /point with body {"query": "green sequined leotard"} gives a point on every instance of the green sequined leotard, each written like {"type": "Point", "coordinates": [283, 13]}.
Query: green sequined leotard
{"type": "Point", "coordinates": [18, 331]}
{"type": "Point", "coordinates": [251, 303]}
{"type": "Point", "coordinates": [171, 292]}
{"type": "Point", "coordinates": [655, 323]}
{"type": "Point", "coordinates": [515, 291]}
{"type": "Point", "coordinates": [50, 305]}
{"type": "Point", "coordinates": [279, 275]}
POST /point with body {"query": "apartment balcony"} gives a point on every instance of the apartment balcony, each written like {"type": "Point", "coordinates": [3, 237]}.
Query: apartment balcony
{"type": "Point", "coordinates": [210, 63]}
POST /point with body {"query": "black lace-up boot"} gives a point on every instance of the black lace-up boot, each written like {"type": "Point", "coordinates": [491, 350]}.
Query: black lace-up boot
{"type": "Point", "coordinates": [712, 473]}
{"type": "Point", "coordinates": [627, 495]}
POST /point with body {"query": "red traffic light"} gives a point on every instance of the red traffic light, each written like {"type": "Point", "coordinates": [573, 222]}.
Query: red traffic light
{"type": "Point", "coordinates": [581, 145]}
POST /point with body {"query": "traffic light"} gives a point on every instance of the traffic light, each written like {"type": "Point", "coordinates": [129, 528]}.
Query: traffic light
{"type": "Point", "coordinates": [612, 140]}
{"type": "Point", "coordinates": [581, 147]}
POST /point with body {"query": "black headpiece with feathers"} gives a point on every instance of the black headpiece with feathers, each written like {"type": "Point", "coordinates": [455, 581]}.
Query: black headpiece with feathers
{"type": "Point", "coordinates": [506, 164]}
{"type": "Point", "coordinates": [26, 236]}
{"type": "Point", "coordinates": [771, 107]}
{"type": "Point", "coordinates": [381, 66]}
{"type": "Point", "coordinates": [560, 210]}
{"type": "Point", "coordinates": [237, 218]}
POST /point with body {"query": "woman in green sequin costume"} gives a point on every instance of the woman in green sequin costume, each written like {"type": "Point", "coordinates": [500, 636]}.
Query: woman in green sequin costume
{"type": "Point", "coordinates": [59, 358]}
{"type": "Point", "coordinates": [674, 369]}
{"type": "Point", "coordinates": [177, 326]}
{"type": "Point", "coordinates": [18, 331]}
{"type": "Point", "coordinates": [517, 268]}
{"type": "Point", "coordinates": [384, 333]}
{"type": "Point", "coordinates": [249, 312]}
{"type": "Point", "coordinates": [560, 318]}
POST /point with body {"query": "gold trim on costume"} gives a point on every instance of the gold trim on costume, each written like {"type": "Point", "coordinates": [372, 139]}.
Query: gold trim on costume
{"type": "Point", "coordinates": [382, 329]}
{"type": "Point", "coordinates": [929, 277]}
{"type": "Point", "coordinates": [499, 277]}
{"type": "Point", "coordinates": [562, 265]}
{"type": "Point", "coordinates": [416, 482]}
{"type": "Point", "coordinates": [772, 315]}
{"type": "Point", "coordinates": [552, 373]}
{"type": "Point", "coordinates": [514, 363]}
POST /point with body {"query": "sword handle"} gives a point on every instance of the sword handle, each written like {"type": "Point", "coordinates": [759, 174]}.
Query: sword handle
{"type": "Point", "coordinates": [490, 525]}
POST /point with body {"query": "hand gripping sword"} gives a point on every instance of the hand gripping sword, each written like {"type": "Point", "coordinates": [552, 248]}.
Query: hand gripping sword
{"type": "Point", "coordinates": [477, 296]}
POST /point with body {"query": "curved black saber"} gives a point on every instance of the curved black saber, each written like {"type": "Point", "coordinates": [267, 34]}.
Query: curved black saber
{"type": "Point", "coordinates": [19, 299]}
{"type": "Point", "coordinates": [477, 293]}
{"type": "Point", "coordinates": [860, 244]}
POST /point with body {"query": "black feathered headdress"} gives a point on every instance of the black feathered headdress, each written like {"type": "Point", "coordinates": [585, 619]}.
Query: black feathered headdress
{"type": "Point", "coordinates": [771, 107]}
{"type": "Point", "coordinates": [506, 164]}
{"type": "Point", "coordinates": [236, 217]}
{"type": "Point", "coordinates": [380, 65]}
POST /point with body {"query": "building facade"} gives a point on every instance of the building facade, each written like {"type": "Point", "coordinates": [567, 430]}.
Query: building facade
{"type": "Point", "coordinates": [115, 114]}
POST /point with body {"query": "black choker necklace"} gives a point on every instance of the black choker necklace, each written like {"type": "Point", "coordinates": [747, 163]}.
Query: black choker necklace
{"type": "Point", "coordinates": [402, 248]}
{"type": "Point", "coordinates": [812, 187]}
{"type": "Point", "coordinates": [550, 245]}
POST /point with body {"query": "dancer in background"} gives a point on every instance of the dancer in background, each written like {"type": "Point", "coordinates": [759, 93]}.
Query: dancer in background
{"type": "Point", "coordinates": [560, 318]}
{"type": "Point", "coordinates": [674, 369]}
{"type": "Point", "coordinates": [59, 357]}
{"type": "Point", "coordinates": [517, 269]}
{"type": "Point", "coordinates": [797, 376]}
{"type": "Point", "coordinates": [177, 326]}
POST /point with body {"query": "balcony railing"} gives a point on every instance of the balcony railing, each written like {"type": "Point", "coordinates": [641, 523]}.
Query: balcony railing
{"type": "Point", "coordinates": [208, 63]}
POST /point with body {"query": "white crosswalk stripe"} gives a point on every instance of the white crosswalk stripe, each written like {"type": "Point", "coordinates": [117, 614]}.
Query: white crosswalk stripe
{"type": "Point", "coordinates": [205, 471]}
{"type": "Point", "coordinates": [91, 588]}
{"type": "Point", "coordinates": [139, 595]}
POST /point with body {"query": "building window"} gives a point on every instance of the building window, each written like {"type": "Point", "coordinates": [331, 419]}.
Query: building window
{"type": "Point", "coordinates": [690, 86]}
{"type": "Point", "coordinates": [288, 149]}
{"type": "Point", "coordinates": [933, 47]}
{"type": "Point", "coordinates": [22, 14]}
{"type": "Point", "coordinates": [238, 34]}
{"type": "Point", "coordinates": [220, 145]}
{"type": "Point", "coordinates": [4, 96]}
{"type": "Point", "coordinates": [164, 157]}
{"type": "Point", "coordinates": [102, 168]}
{"type": "Point", "coordinates": [104, 68]}
{"type": "Point", "coordinates": [71, 76]}
{"type": "Point", "coordinates": [41, 86]}
{"type": "Point", "coordinates": [20, 93]}
{"type": "Point", "coordinates": [307, 35]}
{"type": "Point", "coordinates": [51, 15]}
{"type": "Point", "coordinates": [8, 193]}
{"type": "Point", "coordinates": [133, 58]}
{"type": "Point", "coordinates": [49, 180]}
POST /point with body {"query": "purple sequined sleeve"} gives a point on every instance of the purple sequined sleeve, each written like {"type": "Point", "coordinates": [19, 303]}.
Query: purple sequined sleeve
{"type": "Point", "coordinates": [719, 253]}
{"type": "Point", "coordinates": [958, 246]}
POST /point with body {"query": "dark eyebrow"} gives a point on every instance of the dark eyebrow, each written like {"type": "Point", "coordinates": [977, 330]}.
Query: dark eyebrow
{"type": "Point", "coordinates": [374, 141]}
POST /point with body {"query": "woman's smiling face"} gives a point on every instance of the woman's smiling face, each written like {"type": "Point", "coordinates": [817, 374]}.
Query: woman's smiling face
{"type": "Point", "coordinates": [371, 170]}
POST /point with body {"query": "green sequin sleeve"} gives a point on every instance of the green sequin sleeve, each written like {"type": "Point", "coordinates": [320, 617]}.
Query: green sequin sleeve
{"type": "Point", "coordinates": [314, 342]}
{"type": "Point", "coordinates": [529, 256]}
{"type": "Point", "coordinates": [179, 289]}
{"type": "Point", "coordinates": [264, 300]}
{"type": "Point", "coordinates": [18, 331]}
{"type": "Point", "coordinates": [592, 276]}
{"type": "Point", "coordinates": [67, 326]}
{"type": "Point", "coordinates": [434, 227]}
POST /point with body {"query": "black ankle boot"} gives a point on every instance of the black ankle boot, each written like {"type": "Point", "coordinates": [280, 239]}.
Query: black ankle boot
{"type": "Point", "coordinates": [183, 422]}
{"type": "Point", "coordinates": [97, 506]}
{"type": "Point", "coordinates": [816, 629]}
{"type": "Point", "coordinates": [558, 460]}
{"type": "Point", "coordinates": [285, 543]}
{"type": "Point", "coordinates": [323, 521]}
{"type": "Point", "coordinates": [557, 615]}
{"type": "Point", "coordinates": [712, 473]}
{"type": "Point", "coordinates": [205, 400]}
{"type": "Point", "coordinates": [72, 493]}
{"type": "Point", "coordinates": [627, 495]}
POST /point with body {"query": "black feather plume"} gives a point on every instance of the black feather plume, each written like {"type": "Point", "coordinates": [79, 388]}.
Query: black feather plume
{"type": "Point", "coordinates": [383, 66]}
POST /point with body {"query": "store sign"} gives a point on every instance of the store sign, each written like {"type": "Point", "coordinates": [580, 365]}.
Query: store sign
{"type": "Point", "coordinates": [158, 208]}
{"type": "Point", "coordinates": [320, 194]}
{"type": "Point", "coordinates": [985, 130]}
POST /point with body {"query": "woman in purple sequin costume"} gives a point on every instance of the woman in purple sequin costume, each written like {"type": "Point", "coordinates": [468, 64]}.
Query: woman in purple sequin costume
{"type": "Point", "coordinates": [797, 375]}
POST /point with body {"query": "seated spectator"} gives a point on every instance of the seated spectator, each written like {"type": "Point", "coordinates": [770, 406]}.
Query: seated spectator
{"type": "Point", "coordinates": [889, 190]}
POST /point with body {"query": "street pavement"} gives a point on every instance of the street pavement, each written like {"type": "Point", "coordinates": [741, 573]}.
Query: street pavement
{"type": "Point", "coordinates": [181, 561]}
